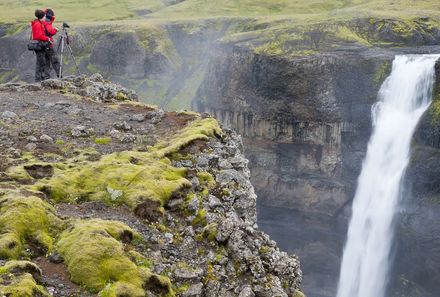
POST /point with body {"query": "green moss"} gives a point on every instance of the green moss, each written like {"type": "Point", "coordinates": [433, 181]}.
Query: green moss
{"type": "Point", "coordinates": [156, 41]}
{"type": "Point", "coordinates": [102, 140]}
{"type": "Point", "coordinates": [121, 96]}
{"type": "Point", "coordinates": [182, 289]}
{"type": "Point", "coordinates": [210, 275]}
{"type": "Point", "coordinates": [24, 219]}
{"type": "Point", "coordinates": [206, 179]}
{"type": "Point", "coordinates": [94, 253]}
{"type": "Point", "coordinates": [434, 109]}
{"type": "Point", "coordinates": [200, 218]}
{"type": "Point", "coordinates": [298, 294]}
{"type": "Point", "coordinates": [16, 280]}
{"type": "Point", "coordinates": [345, 33]}
{"type": "Point", "coordinates": [210, 231]}
{"type": "Point", "coordinates": [139, 259]}
{"type": "Point", "coordinates": [199, 129]}
{"type": "Point", "coordinates": [382, 73]}
{"type": "Point", "coordinates": [273, 48]}
{"type": "Point", "coordinates": [129, 178]}
{"type": "Point", "coordinates": [265, 249]}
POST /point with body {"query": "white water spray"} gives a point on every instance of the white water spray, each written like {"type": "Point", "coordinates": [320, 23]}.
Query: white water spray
{"type": "Point", "coordinates": [403, 98]}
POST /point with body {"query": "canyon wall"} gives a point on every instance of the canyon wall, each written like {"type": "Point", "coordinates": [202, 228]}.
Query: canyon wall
{"type": "Point", "coordinates": [306, 124]}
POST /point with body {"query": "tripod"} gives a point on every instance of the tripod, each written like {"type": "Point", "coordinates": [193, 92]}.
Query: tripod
{"type": "Point", "coordinates": [65, 43]}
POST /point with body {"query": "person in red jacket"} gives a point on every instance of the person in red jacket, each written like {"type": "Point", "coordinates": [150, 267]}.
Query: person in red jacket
{"type": "Point", "coordinates": [50, 55]}
{"type": "Point", "coordinates": [39, 33]}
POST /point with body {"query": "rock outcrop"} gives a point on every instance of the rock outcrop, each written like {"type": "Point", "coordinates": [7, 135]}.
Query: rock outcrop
{"type": "Point", "coordinates": [169, 212]}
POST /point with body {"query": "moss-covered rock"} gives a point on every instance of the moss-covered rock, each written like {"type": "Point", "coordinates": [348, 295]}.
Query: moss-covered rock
{"type": "Point", "coordinates": [199, 129]}
{"type": "Point", "coordinates": [143, 181]}
{"type": "Point", "coordinates": [24, 220]}
{"type": "Point", "coordinates": [95, 257]}
{"type": "Point", "coordinates": [130, 178]}
{"type": "Point", "coordinates": [20, 279]}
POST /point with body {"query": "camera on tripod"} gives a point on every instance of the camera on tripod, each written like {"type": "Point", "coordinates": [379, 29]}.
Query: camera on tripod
{"type": "Point", "coordinates": [65, 43]}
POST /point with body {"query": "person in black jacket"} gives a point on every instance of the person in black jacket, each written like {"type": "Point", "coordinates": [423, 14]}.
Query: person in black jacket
{"type": "Point", "coordinates": [50, 55]}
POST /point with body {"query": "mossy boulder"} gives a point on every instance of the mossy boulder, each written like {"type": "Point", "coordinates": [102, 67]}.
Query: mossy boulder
{"type": "Point", "coordinates": [199, 129]}
{"type": "Point", "coordinates": [25, 220]}
{"type": "Point", "coordinates": [128, 177]}
{"type": "Point", "coordinates": [20, 279]}
{"type": "Point", "coordinates": [95, 256]}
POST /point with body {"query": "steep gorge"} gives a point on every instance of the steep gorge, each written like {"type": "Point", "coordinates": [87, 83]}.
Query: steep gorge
{"type": "Point", "coordinates": [306, 122]}
{"type": "Point", "coordinates": [303, 108]}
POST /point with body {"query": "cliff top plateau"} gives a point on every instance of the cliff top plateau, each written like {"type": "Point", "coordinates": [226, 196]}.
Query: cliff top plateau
{"type": "Point", "coordinates": [103, 196]}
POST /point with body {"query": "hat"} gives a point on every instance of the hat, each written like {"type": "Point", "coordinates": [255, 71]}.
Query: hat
{"type": "Point", "coordinates": [39, 14]}
{"type": "Point", "coordinates": [49, 13]}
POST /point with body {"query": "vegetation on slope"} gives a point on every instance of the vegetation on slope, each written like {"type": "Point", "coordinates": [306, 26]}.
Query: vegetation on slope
{"type": "Point", "coordinates": [103, 10]}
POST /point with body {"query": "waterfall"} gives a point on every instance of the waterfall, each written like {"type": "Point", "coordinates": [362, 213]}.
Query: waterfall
{"type": "Point", "coordinates": [403, 98]}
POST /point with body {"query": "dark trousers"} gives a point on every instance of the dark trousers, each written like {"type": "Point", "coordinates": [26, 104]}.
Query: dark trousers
{"type": "Point", "coordinates": [40, 66]}
{"type": "Point", "coordinates": [51, 60]}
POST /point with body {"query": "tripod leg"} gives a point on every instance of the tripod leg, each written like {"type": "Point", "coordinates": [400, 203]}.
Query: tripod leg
{"type": "Point", "coordinates": [61, 58]}
{"type": "Point", "coordinates": [73, 58]}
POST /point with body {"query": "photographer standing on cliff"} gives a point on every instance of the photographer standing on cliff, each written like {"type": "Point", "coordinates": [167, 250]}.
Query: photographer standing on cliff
{"type": "Point", "coordinates": [39, 43]}
{"type": "Point", "coordinates": [50, 55]}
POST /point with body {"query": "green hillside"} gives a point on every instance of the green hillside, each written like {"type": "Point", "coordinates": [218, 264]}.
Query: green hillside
{"type": "Point", "coordinates": [299, 10]}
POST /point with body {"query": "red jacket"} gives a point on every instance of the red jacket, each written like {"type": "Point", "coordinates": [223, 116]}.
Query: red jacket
{"type": "Point", "coordinates": [50, 30]}
{"type": "Point", "coordinates": [38, 32]}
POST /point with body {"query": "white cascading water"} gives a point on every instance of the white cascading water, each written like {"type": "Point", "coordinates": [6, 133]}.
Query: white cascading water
{"type": "Point", "coordinates": [403, 98]}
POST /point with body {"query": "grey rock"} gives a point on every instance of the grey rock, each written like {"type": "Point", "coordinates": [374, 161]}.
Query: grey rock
{"type": "Point", "coordinates": [155, 116]}
{"type": "Point", "coordinates": [46, 138]}
{"type": "Point", "coordinates": [195, 181]}
{"type": "Point", "coordinates": [128, 138]}
{"type": "Point", "coordinates": [183, 274]}
{"type": "Point", "coordinates": [213, 201]}
{"type": "Point", "coordinates": [124, 126]}
{"type": "Point", "coordinates": [186, 163]}
{"type": "Point", "coordinates": [9, 115]}
{"type": "Point", "coordinates": [115, 134]}
{"type": "Point", "coordinates": [246, 292]}
{"type": "Point", "coordinates": [53, 84]}
{"type": "Point", "coordinates": [239, 162]}
{"type": "Point", "coordinates": [193, 206]}
{"type": "Point", "coordinates": [55, 258]}
{"type": "Point", "coordinates": [169, 237]}
{"type": "Point", "coordinates": [225, 164]}
{"type": "Point", "coordinates": [202, 161]}
{"type": "Point", "coordinates": [138, 117]}
{"type": "Point", "coordinates": [15, 152]}
{"type": "Point", "coordinates": [74, 111]}
{"type": "Point", "coordinates": [195, 290]}
{"type": "Point", "coordinates": [32, 138]}
{"type": "Point", "coordinates": [227, 176]}
{"type": "Point", "coordinates": [32, 87]}
{"type": "Point", "coordinates": [30, 146]}
{"type": "Point", "coordinates": [97, 77]}
{"type": "Point", "coordinates": [225, 229]}
{"type": "Point", "coordinates": [81, 131]}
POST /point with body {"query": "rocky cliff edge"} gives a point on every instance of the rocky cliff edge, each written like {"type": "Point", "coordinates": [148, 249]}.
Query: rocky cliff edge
{"type": "Point", "coordinates": [103, 196]}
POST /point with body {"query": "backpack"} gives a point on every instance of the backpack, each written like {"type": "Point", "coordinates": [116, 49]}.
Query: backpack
{"type": "Point", "coordinates": [38, 45]}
